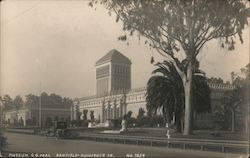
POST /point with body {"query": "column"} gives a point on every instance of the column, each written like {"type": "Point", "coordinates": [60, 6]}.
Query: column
{"type": "Point", "coordinates": [103, 112]}
{"type": "Point", "coordinates": [120, 109]}
{"type": "Point", "coordinates": [108, 110]}
{"type": "Point", "coordinates": [124, 108]}
{"type": "Point", "coordinates": [117, 111]}
{"type": "Point", "coordinates": [124, 104]}
{"type": "Point", "coordinates": [114, 110]}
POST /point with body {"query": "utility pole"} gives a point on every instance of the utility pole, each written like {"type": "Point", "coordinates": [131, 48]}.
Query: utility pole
{"type": "Point", "coordinates": [1, 111]}
{"type": "Point", "coordinates": [40, 108]}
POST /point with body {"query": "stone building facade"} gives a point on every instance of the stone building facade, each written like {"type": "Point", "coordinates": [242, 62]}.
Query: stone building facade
{"type": "Point", "coordinates": [113, 73]}
{"type": "Point", "coordinates": [29, 116]}
{"type": "Point", "coordinates": [114, 96]}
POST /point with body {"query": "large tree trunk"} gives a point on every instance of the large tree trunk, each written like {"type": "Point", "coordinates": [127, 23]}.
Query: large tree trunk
{"type": "Point", "coordinates": [188, 100]}
{"type": "Point", "coordinates": [182, 124]}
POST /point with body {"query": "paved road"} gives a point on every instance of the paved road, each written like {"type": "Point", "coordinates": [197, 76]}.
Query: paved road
{"type": "Point", "coordinates": [33, 144]}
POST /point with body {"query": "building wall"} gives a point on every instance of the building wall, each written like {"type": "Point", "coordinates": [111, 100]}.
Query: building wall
{"type": "Point", "coordinates": [23, 115]}
{"type": "Point", "coordinates": [10, 116]}
{"type": "Point", "coordinates": [31, 114]}
{"type": "Point", "coordinates": [108, 107]}
{"type": "Point", "coordinates": [112, 78]}
{"type": "Point", "coordinates": [205, 120]}
{"type": "Point", "coordinates": [15, 116]}
{"type": "Point", "coordinates": [115, 106]}
{"type": "Point", "coordinates": [114, 95]}
{"type": "Point", "coordinates": [102, 86]}
{"type": "Point", "coordinates": [103, 79]}
{"type": "Point", "coordinates": [97, 112]}
{"type": "Point", "coordinates": [120, 77]}
{"type": "Point", "coordinates": [136, 99]}
{"type": "Point", "coordinates": [55, 115]}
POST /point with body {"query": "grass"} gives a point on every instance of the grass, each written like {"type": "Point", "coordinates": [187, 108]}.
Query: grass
{"type": "Point", "coordinates": [161, 132]}
{"type": "Point", "coordinates": [199, 134]}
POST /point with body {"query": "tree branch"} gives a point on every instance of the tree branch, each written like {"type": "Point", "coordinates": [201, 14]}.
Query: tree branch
{"type": "Point", "coordinates": [171, 36]}
{"type": "Point", "coordinates": [174, 61]}
{"type": "Point", "coordinates": [146, 35]}
{"type": "Point", "coordinates": [222, 36]}
{"type": "Point", "coordinates": [205, 39]}
{"type": "Point", "coordinates": [202, 35]}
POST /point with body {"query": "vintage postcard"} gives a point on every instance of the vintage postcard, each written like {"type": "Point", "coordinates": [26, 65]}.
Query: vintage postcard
{"type": "Point", "coordinates": [115, 78]}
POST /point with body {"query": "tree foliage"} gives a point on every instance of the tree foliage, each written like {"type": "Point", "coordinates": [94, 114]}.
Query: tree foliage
{"type": "Point", "coordinates": [169, 25]}
{"type": "Point", "coordinates": [235, 102]}
{"type": "Point", "coordinates": [216, 80]}
{"type": "Point", "coordinates": [55, 101]}
{"type": "Point", "coordinates": [18, 102]}
{"type": "Point", "coordinates": [7, 102]}
{"type": "Point", "coordinates": [32, 100]}
{"type": "Point", "coordinates": [141, 113]}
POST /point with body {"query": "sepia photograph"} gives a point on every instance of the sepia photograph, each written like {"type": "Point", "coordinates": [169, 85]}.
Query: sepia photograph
{"type": "Point", "coordinates": [124, 78]}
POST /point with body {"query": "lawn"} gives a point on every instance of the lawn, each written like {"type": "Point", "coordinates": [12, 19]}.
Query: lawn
{"type": "Point", "coordinates": [161, 132]}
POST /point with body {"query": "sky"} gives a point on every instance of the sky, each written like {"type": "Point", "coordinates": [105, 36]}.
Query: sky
{"type": "Point", "coordinates": [55, 44]}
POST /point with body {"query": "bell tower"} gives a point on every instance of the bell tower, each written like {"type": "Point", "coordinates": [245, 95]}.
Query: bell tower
{"type": "Point", "coordinates": [113, 74]}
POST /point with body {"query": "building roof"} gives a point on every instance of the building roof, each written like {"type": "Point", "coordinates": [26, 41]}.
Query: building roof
{"type": "Point", "coordinates": [213, 86]}
{"type": "Point", "coordinates": [113, 56]}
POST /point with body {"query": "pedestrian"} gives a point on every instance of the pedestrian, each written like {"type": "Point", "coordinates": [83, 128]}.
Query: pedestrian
{"type": "Point", "coordinates": [167, 131]}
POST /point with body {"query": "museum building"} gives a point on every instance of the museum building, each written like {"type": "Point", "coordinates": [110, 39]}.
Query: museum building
{"type": "Point", "coordinates": [114, 96]}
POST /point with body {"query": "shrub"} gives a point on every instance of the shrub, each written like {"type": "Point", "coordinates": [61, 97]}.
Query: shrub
{"type": "Point", "coordinates": [79, 123]}
{"type": "Point", "coordinates": [2, 141]}
{"type": "Point", "coordinates": [84, 123]}
{"type": "Point", "coordinates": [117, 123]}
{"type": "Point", "coordinates": [144, 121]}
{"type": "Point", "coordinates": [157, 119]}
{"type": "Point", "coordinates": [131, 122]}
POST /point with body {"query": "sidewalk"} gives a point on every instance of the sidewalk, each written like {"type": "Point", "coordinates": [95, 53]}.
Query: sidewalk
{"type": "Point", "coordinates": [224, 146]}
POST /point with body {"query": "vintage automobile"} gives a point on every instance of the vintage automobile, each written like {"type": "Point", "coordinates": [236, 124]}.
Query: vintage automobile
{"type": "Point", "coordinates": [60, 131]}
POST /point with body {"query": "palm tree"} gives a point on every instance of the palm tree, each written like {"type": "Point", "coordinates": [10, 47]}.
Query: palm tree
{"type": "Point", "coordinates": [165, 92]}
